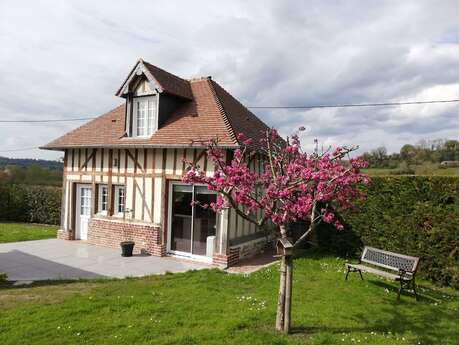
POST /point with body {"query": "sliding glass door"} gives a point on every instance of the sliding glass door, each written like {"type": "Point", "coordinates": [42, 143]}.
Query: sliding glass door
{"type": "Point", "coordinates": [190, 226]}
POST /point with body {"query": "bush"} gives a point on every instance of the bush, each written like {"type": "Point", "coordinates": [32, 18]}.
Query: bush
{"type": "Point", "coordinates": [30, 204]}
{"type": "Point", "coordinates": [403, 169]}
{"type": "Point", "coordinates": [413, 215]}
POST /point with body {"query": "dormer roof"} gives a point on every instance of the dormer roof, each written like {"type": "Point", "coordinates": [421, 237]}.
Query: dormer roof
{"type": "Point", "coordinates": [160, 80]}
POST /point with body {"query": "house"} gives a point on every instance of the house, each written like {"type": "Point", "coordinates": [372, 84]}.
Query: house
{"type": "Point", "coordinates": [122, 170]}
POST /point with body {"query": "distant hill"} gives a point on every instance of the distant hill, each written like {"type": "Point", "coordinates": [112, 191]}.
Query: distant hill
{"type": "Point", "coordinates": [28, 162]}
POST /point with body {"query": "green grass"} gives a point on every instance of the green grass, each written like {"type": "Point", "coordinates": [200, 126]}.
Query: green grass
{"type": "Point", "coordinates": [14, 232]}
{"type": "Point", "coordinates": [212, 307]}
{"type": "Point", "coordinates": [421, 169]}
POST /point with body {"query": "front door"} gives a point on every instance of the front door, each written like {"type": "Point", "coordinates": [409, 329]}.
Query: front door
{"type": "Point", "coordinates": [83, 211]}
{"type": "Point", "coordinates": [190, 226]}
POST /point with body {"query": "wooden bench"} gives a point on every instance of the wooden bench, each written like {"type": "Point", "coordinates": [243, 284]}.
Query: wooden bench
{"type": "Point", "coordinates": [404, 267]}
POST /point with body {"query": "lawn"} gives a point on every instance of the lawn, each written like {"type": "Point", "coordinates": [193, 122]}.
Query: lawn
{"type": "Point", "coordinates": [14, 232]}
{"type": "Point", "coordinates": [425, 169]}
{"type": "Point", "coordinates": [212, 307]}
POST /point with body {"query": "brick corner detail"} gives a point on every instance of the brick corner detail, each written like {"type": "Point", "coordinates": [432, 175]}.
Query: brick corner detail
{"type": "Point", "coordinates": [64, 234]}
{"type": "Point", "coordinates": [227, 260]}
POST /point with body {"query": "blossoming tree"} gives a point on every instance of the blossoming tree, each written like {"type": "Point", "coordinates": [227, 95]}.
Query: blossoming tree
{"type": "Point", "coordinates": [293, 185]}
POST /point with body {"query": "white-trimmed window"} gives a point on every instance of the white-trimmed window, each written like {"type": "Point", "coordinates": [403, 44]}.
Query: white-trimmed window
{"type": "Point", "coordinates": [103, 199]}
{"type": "Point", "coordinates": [120, 200]}
{"type": "Point", "coordinates": [144, 116]}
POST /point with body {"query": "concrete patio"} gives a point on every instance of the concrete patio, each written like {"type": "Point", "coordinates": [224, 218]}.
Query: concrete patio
{"type": "Point", "coordinates": [58, 259]}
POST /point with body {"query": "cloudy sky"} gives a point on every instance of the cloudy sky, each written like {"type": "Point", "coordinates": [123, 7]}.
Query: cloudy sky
{"type": "Point", "coordinates": [65, 59]}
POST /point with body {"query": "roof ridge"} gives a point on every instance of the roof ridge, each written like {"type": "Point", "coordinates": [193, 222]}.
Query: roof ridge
{"type": "Point", "coordinates": [226, 120]}
{"type": "Point", "coordinates": [255, 117]}
{"type": "Point", "coordinates": [241, 119]}
{"type": "Point", "coordinates": [191, 80]}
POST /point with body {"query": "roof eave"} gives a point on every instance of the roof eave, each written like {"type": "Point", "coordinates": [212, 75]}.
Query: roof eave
{"type": "Point", "coordinates": [132, 145]}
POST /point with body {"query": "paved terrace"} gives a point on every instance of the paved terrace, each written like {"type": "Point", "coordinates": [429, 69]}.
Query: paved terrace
{"type": "Point", "coordinates": [58, 259]}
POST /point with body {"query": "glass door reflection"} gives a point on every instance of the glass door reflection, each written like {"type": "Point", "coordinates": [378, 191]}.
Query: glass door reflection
{"type": "Point", "coordinates": [204, 220]}
{"type": "Point", "coordinates": [191, 225]}
{"type": "Point", "coordinates": [182, 213]}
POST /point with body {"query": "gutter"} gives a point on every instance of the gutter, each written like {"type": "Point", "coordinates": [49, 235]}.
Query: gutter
{"type": "Point", "coordinates": [133, 145]}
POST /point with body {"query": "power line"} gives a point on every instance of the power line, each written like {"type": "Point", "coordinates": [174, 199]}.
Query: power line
{"type": "Point", "coordinates": [17, 150]}
{"type": "Point", "coordinates": [47, 120]}
{"type": "Point", "coordinates": [320, 106]}
{"type": "Point", "coordinates": [386, 104]}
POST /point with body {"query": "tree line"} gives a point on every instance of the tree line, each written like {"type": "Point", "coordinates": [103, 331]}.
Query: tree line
{"type": "Point", "coordinates": [30, 175]}
{"type": "Point", "coordinates": [432, 151]}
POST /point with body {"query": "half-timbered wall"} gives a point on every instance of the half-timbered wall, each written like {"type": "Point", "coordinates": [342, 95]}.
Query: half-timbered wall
{"type": "Point", "coordinates": [239, 229]}
{"type": "Point", "coordinates": [145, 174]}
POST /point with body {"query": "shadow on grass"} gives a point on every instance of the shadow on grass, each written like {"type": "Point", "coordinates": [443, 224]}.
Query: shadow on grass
{"type": "Point", "coordinates": [425, 293]}
{"type": "Point", "coordinates": [396, 317]}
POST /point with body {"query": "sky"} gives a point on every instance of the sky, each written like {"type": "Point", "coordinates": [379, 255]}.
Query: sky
{"type": "Point", "coordinates": [66, 59]}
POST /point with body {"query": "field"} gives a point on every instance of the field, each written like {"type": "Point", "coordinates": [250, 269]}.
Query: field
{"type": "Point", "coordinates": [212, 307]}
{"type": "Point", "coordinates": [15, 232]}
{"type": "Point", "coordinates": [425, 168]}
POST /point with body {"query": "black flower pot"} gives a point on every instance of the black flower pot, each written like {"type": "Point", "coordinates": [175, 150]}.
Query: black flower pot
{"type": "Point", "coordinates": [126, 248]}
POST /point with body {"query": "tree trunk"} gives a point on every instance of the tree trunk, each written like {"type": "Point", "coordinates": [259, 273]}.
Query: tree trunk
{"type": "Point", "coordinates": [284, 303]}
{"type": "Point", "coordinates": [288, 293]}
{"type": "Point", "coordinates": [280, 317]}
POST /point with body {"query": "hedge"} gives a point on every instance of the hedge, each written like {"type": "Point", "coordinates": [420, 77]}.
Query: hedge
{"type": "Point", "coordinates": [413, 215]}
{"type": "Point", "coordinates": [30, 204]}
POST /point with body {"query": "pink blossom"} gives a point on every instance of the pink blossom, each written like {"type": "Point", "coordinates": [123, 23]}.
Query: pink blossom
{"type": "Point", "coordinates": [287, 187]}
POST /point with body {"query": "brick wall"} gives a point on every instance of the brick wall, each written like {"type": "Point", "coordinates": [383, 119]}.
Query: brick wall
{"type": "Point", "coordinates": [65, 235]}
{"type": "Point", "coordinates": [110, 233]}
{"type": "Point", "coordinates": [230, 259]}
{"type": "Point", "coordinates": [242, 251]}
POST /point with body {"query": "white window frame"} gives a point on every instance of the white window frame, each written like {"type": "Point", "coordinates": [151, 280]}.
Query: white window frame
{"type": "Point", "coordinates": [116, 212]}
{"type": "Point", "coordinates": [100, 202]}
{"type": "Point", "coordinates": [85, 201]}
{"type": "Point", "coordinates": [150, 116]}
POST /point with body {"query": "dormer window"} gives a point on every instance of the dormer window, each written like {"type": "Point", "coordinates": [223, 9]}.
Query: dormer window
{"type": "Point", "coordinates": [152, 95]}
{"type": "Point", "coordinates": [145, 116]}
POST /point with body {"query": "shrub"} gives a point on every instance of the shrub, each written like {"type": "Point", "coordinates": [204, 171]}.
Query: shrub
{"type": "Point", "coordinates": [403, 169]}
{"type": "Point", "coordinates": [413, 215]}
{"type": "Point", "coordinates": [30, 204]}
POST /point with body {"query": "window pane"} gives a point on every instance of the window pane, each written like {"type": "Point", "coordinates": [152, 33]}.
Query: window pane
{"type": "Point", "coordinates": [85, 202]}
{"type": "Point", "coordinates": [140, 118]}
{"type": "Point", "coordinates": [120, 199]}
{"type": "Point", "coordinates": [145, 115]}
{"type": "Point", "coordinates": [103, 198]}
{"type": "Point", "coordinates": [204, 221]}
{"type": "Point", "coordinates": [181, 218]}
{"type": "Point", "coordinates": [150, 118]}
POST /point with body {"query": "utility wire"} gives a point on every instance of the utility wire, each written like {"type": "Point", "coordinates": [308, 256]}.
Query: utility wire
{"type": "Point", "coordinates": [47, 120]}
{"type": "Point", "coordinates": [320, 106]}
{"type": "Point", "coordinates": [17, 150]}
{"type": "Point", "coordinates": [387, 104]}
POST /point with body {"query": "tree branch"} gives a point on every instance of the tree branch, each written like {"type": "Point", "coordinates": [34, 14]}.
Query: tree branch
{"type": "Point", "coordinates": [312, 226]}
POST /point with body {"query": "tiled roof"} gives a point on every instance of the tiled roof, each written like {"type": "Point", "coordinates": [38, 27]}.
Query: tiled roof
{"type": "Point", "coordinates": [212, 113]}
{"type": "Point", "coordinates": [169, 82]}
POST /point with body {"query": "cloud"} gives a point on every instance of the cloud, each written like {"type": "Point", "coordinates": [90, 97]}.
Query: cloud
{"type": "Point", "coordinates": [66, 59]}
